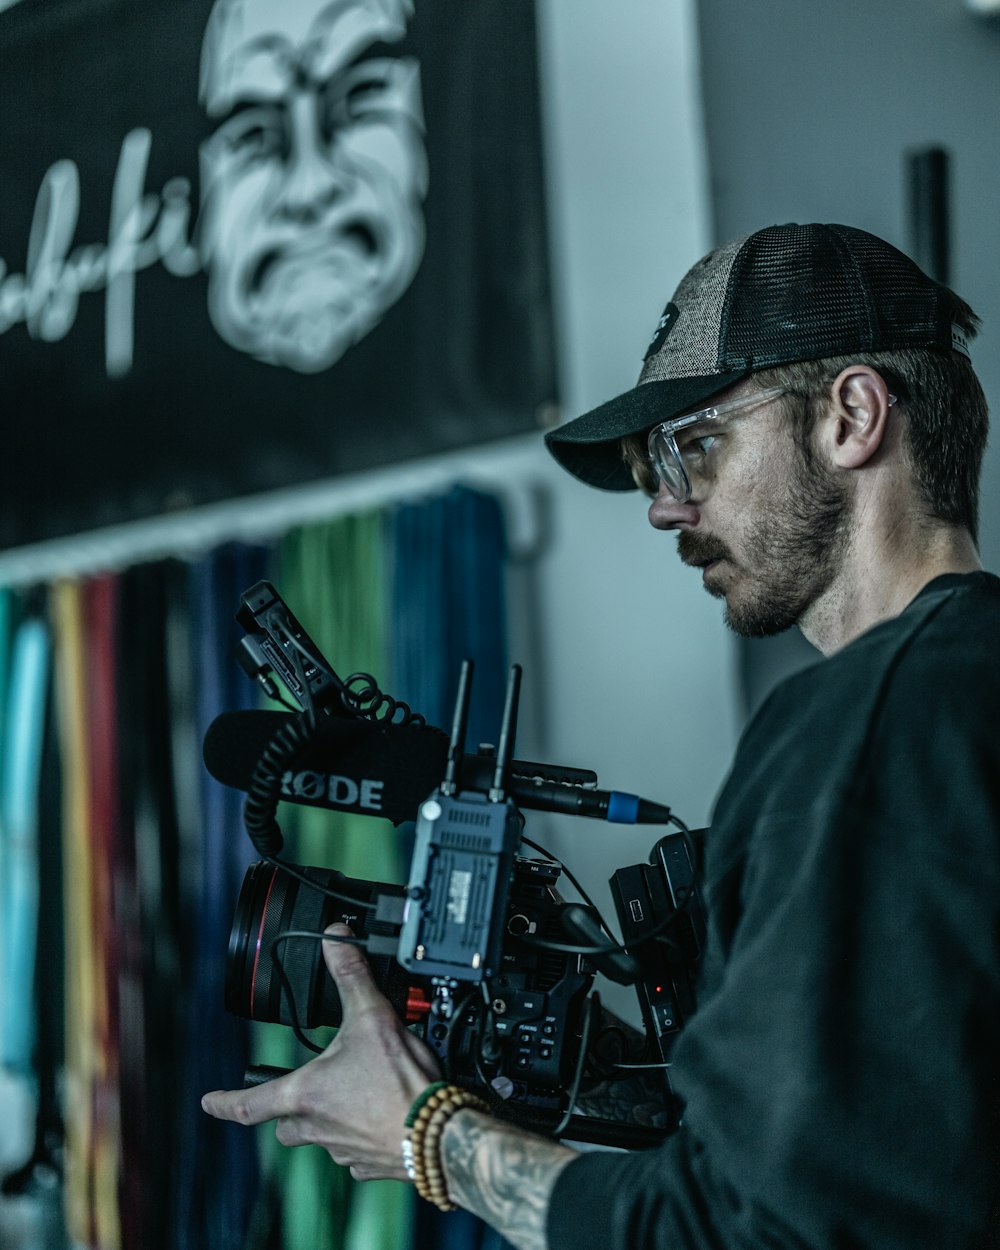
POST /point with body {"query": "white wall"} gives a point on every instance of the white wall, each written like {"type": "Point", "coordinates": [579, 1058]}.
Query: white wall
{"type": "Point", "coordinates": [628, 667]}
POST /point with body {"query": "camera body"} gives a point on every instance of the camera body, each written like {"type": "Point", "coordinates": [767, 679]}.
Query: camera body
{"type": "Point", "coordinates": [479, 953]}
{"type": "Point", "coordinates": [524, 1037]}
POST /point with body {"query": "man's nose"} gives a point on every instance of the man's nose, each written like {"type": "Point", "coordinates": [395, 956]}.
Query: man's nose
{"type": "Point", "coordinates": [665, 513]}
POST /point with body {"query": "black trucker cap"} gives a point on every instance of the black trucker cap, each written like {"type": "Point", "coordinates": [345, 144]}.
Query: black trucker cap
{"type": "Point", "coordinates": [784, 294]}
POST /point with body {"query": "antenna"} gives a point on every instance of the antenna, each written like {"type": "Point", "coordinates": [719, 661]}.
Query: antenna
{"type": "Point", "coordinates": [508, 728]}
{"type": "Point", "coordinates": [456, 747]}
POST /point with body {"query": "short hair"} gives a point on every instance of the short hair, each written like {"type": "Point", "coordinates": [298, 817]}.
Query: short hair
{"type": "Point", "coordinates": [946, 419]}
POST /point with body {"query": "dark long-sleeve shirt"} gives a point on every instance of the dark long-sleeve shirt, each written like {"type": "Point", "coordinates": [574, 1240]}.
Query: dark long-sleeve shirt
{"type": "Point", "coordinates": [841, 1076]}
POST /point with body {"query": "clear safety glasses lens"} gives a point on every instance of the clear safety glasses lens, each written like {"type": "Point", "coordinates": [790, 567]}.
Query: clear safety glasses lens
{"type": "Point", "coordinates": [667, 458]}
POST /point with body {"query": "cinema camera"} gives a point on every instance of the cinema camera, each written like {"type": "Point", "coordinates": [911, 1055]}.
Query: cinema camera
{"type": "Point", "coordinates": [479, 953]}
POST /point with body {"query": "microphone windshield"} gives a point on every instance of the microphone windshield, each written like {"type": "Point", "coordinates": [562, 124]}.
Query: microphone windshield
{"type": "Point", "coordinates": [349, 764]}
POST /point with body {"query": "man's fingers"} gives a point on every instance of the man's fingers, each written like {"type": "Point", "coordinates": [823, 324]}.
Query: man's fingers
{"type": "Point", "coordinates": [350, 969]}
{"type": "Point", "coordinates": [252, 1106]}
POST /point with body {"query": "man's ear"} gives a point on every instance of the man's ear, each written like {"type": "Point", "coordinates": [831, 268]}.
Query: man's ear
{"type": "Point", "coordinates": [856, 424]}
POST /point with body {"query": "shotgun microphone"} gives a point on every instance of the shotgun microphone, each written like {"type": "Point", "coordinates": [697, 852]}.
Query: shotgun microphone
{"type": "Point", "coordinates": [388, 770]}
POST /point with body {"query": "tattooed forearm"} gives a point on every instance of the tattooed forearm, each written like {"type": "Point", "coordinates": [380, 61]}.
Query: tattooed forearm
{"type": "Point", "coordinates": [502, 1174]}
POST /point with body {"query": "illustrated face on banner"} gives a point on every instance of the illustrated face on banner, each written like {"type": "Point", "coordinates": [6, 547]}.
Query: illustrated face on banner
{"type": "Point", "coordinates": [313, 180]}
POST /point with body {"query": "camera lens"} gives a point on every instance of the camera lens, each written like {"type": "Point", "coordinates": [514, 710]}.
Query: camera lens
{"type": "Point", "coordinates": [271, 903]}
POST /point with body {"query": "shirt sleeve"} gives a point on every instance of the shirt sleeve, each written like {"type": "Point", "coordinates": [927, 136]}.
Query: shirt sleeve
{"type": "Point", "coordinates": [662, 1199]}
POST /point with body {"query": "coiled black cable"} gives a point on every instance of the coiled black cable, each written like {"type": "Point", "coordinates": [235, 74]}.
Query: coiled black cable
{"type": "Point", "coordinates": [364, 699]}
{"type": "Point", "coordinates": [261, 804]}
{"type": "Point", "coordinates": [375, 705]}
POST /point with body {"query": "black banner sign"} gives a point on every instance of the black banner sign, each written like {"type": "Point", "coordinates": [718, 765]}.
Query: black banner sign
{"type": "Point", "coordinates": [251, 243]}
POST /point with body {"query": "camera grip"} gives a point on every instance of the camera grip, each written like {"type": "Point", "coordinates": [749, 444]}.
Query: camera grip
{"type": "Point", "coordinates": [259, 1073]}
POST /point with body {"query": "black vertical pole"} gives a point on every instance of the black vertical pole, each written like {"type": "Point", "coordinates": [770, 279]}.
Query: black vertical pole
{"type": "Point", "coordinates": [929, 220]}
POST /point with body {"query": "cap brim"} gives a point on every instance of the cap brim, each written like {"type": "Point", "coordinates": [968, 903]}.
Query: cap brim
{"type": "Point", "coordinates": [589, 447]}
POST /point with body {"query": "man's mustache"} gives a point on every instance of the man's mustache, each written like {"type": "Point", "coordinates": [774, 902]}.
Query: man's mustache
{"type": "Point", "coordinates": [700, 549]}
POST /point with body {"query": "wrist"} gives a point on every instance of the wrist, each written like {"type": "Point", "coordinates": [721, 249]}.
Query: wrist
{"type": "Point", "coordinates": [428, 1118]}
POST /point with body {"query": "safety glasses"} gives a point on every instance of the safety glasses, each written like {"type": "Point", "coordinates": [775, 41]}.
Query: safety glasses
{"type": "Point", "coordinates": [678, 449]}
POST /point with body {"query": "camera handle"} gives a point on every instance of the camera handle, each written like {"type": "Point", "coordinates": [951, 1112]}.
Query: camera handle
{"type": "Point", "coordinates": [260, 1073]}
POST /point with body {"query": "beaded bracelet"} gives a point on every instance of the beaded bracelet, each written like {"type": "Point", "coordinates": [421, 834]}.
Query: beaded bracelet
{"type": "Point", "coordinates": [428, 1093]}
{"type": "Point", "coordinates": [421, 1145]}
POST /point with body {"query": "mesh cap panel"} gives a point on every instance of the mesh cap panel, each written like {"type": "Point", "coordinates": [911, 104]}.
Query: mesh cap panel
{"type": "Point", "coordinates": [805, 292]}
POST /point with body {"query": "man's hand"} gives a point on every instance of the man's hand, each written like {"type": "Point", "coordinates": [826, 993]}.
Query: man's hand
{"type": "Point", "coordinates": [353, 1098]}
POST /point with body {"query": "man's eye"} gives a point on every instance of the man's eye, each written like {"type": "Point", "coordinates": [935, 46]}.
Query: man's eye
{"type": "Point", "coordinates": [700, 446]}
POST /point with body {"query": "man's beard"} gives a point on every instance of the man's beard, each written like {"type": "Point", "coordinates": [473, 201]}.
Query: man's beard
{"type": "Point", "coordinates": [790, 556]}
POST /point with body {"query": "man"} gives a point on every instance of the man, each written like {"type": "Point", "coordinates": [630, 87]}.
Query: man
{"type": "Point", "coordinates": [810, 423]}
{"type": "Point", "coordinates": [313, 180]}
